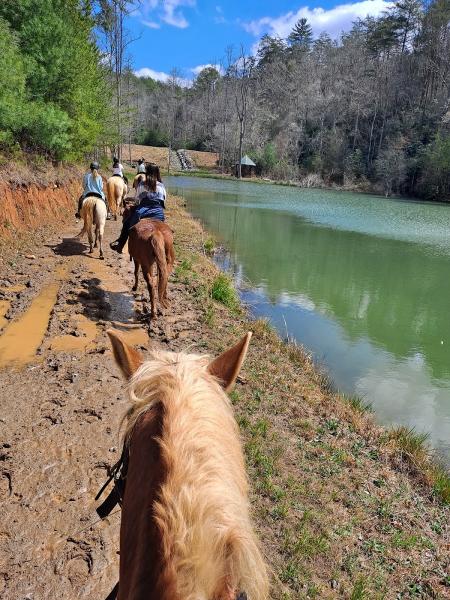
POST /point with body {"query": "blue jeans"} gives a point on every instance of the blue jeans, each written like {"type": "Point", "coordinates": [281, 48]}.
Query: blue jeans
{"type": "Point", "coordinates": [144, 212]}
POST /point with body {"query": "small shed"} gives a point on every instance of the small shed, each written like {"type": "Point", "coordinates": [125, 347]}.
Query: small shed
{"type": "Point", "coordinates": [248, 167]}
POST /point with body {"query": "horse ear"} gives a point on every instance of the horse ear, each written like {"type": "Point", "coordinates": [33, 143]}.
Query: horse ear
{"type": "Point", "coordinates": [226, 367]}
{"type": "Point", "coordinates": [128, 359]}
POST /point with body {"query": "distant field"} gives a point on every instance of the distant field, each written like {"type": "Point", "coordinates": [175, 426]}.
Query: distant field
{"type": "Point", "coordinates": [201, 160]}
{"type": "Point", "coordinates": [159, 156]}
{"type": "Point", "coordinates": [204, 160]}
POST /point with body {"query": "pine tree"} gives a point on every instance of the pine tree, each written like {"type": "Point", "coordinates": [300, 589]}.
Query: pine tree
{"type": "Point", "coordinates": [301, 36]}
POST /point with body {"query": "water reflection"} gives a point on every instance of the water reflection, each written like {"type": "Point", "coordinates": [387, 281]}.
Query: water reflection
{"type": "Point", "coordinates": [372, 306]}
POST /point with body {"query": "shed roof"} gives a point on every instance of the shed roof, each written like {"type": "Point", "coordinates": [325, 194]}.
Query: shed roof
{"type": "Point", "coordinates": [246, 160]}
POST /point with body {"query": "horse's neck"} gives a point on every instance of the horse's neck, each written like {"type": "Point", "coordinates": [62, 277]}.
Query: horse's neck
{"type": "Point", "coordinates": [143, 575]}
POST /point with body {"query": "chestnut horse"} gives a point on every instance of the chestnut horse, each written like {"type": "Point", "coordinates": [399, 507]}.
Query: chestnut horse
{"type": "Point", "coordinates": [146, 246]}
{"type": "Point", "coordinates": [116, 190]}
{"type": "Point", "coordinates": [167, 232]}
{"type": "Point", "coordinates": [94, 213]}
{"type": "Point", "coordinates": [186, 532]}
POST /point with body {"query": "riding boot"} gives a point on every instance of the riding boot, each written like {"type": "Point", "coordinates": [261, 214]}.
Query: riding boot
{"type": "Point", "coordinates": [119, 244]}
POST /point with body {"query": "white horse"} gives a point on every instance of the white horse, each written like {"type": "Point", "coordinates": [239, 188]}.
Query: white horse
{"type": "Point", "coordinates": [93, 213]}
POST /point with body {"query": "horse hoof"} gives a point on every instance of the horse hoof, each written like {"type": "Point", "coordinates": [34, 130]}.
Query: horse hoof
{"type": "Point", "coordinates": [91, 250]}
{"type": "Point", "coordinates": [102, 257]}
{"type": "Point", "coordinates": [95, 245]}
{"type": "Point", "coordinates": [134, 288]}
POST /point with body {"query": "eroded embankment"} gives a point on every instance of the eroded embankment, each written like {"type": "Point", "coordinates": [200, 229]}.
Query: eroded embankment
{"type": "Point", "coordinates": [30, 200]}
{"type": "Point", "coordinates": [337, 509]}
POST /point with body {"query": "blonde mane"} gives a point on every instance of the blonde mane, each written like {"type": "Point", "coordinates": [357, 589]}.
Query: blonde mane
{"type": "Point", "coordinates": [202, 511]}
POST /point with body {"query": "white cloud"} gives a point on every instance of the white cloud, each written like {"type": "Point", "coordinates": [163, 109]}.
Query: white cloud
{"type": "Point", "coordinates": [219, 18]}
{"type": "Point", "coordinates": [157, 75]}
{"type": "Point", "coordinates": [151, 24]}
{"type": "Point", "coordinates": [198, 69]}
{"type": "Point", "coordinates": [162, 76]}
{"type": "Point", "coordinates": [168, 11]}
{"type": "Point", "coordinates": [333, 20]}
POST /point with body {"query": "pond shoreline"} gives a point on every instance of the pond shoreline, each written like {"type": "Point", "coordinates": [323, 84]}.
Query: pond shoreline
{"type": "Point", "coordinates": [297, 184]}
{"type": "Point", "coordinates": [327, 480]}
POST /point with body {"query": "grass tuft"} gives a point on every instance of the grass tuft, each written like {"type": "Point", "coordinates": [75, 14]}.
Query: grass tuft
{"type": "Point", "coordinates": [223, 291]}
{"type": "Point", "coordinates": [411, 443]}
{"type": "Point", "coordinates": [209, 246]}
{"type": "Point", "coordinates": [414, 447]}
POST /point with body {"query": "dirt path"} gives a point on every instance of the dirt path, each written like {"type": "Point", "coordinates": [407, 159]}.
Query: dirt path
{"type": "Point", "coordinates": [342, 511]}
{"type": "Point", "coordinates": [62, 400]}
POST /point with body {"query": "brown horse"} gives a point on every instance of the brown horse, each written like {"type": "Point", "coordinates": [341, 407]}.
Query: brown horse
{"type": "Point", "coordinates": [167, 232]}
{"type": "Point", "coordinates": [116, 190]}
{"type": "Point", "coordinates": [146, 247]}
{"type": "Point", "coordinates": [140, 178]}
{"type": "Point", "coordinates": [186, 532]}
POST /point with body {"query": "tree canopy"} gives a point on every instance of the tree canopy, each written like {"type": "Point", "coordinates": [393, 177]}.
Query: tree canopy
{"type": "Point", "coordinates": [55, 100]}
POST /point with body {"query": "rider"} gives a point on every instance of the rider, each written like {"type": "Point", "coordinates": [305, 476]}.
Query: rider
{"type": "Point", "coordinates": [151, 195]}
{"type": "Point", "coordinates": [141, 166]}
{"type": "Point", "coordinates": [92, 186]}
{"type": "Point", "coordinates": [159, 184]}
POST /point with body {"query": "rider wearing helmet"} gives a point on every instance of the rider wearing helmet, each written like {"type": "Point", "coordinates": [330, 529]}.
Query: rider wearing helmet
{"type": "Point", "coordinates": [152, 196]}
{"type": "Point", "coordinates": [92, 186]}
{"type": "Point", "coordinates": [118, 169]}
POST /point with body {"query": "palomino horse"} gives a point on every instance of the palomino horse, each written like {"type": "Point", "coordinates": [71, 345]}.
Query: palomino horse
{"type": "Point", "coordinates": [94, 213]}
{"type": "Point", "coordinates": [116, 190]}
{"type": "Point", "coordinates": [186, 532]}
{"type": "Point", "coordinates": [146, 245]}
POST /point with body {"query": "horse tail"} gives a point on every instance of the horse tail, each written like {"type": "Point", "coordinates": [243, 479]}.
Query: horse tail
{"type": "Point", "coordinates": [87, 214]}
{"type": "Point", "coordinates": [111, 195]}
{"type": "Point", "coordinates": [157, 242]}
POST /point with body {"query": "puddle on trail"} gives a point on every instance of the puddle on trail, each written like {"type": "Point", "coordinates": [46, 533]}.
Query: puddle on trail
{"type": "Point", "coordinates": [118, 294]}
{"type": "Point", "coordinates": [134, 335]}
{"type": "Point", "coordinates": [22, 338]}
{"type": "Point", "coordinates": [72, 343]}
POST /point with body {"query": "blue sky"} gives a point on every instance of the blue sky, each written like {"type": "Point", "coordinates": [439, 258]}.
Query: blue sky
{"type": "Point", "coordinates": [188, 34]}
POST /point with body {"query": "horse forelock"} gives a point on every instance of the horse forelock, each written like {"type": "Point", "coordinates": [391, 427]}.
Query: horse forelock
{"type": "Point", "coordinates": [202, 509]}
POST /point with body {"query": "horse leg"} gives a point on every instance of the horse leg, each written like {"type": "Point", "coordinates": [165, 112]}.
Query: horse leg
{"type": "Point", "coordinates": [99, 231]}
{"type": "Point", "coordinates": [100, 237]}
{"type": "Point", "coordinates": [136, 275]}
{"type": "Point", "coordinates": [96, 238]}
{"type": "Point", "coordinates": [151, 289]}
{"type": "Point", "coordinates": [90, 239]}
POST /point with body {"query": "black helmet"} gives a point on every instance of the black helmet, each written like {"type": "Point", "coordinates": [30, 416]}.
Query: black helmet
{"type": "Point", "coordinates": [94, 166]}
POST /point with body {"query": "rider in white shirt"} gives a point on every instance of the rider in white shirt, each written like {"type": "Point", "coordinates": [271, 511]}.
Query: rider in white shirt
{"type": "Point", "coordinates": [117, 167]}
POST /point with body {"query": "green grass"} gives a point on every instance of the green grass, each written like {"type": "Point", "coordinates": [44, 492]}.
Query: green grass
{"type": "Point", "coordinates": [414, 444]}
{"type": "Point", "coordinates": [223, 291]}
{"type": "Point", "coordinates": [359, 591]}
{"type": "Point", "coordinates": [209, 246]}
{"type": "Point", "coordinates": [415, 449]}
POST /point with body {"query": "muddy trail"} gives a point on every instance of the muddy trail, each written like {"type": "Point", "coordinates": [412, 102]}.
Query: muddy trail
{"type": "Point", "coordinates": [62, 402]}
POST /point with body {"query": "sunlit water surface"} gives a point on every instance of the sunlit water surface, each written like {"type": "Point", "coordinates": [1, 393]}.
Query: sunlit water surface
{"type": "Point", "coordinates": [361, 281]}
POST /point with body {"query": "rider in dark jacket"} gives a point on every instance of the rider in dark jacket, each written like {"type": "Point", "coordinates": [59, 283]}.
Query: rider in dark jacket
{"type": "Point", "coordinates": [151, 195]}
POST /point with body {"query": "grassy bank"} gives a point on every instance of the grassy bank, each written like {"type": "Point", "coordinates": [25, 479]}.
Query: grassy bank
{"type": "Point", "coordinates": [343, 507]}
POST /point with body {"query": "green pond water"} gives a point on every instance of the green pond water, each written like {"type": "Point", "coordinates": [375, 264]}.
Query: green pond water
{"type": "Point", "coordinates": [363, 282]}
